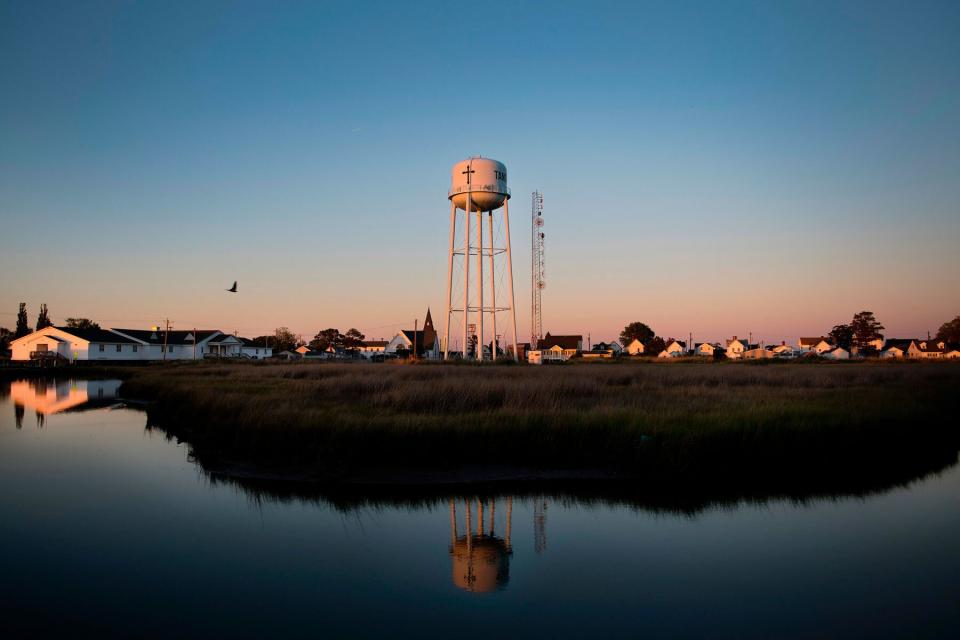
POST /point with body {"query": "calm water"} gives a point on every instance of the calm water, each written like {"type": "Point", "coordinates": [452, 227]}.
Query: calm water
{"type": "Point", "coordinates": [108, 527]}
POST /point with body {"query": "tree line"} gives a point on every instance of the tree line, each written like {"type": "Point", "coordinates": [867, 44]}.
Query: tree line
{"type": "Point", "coordinates": [285, 340]}
{"type": "Point", "coordinates": [23, 327]}
{"type": "Point", "coordinates": [863, 329]}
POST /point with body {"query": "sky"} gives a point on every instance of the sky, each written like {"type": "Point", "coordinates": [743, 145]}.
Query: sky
{"type": "Point", "coordinates": [715, 168]}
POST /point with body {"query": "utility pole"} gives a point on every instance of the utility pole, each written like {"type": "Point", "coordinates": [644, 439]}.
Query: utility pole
{"type": "Point", "coordinates": [415, 320]}
{"type": "Point", "coordinates": [165, 334]}
{"type": "Point", "coordinates": [194, 343]}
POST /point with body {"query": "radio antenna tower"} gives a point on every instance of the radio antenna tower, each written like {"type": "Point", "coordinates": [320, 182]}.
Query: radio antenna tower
{"type": "Point", "coordinates": [537, 269]}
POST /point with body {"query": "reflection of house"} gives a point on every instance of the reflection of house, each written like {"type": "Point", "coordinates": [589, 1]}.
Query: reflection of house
{"type": "Point", "coordinates": [426, 341]}
{"type": "Point", "coordinates": [53, 397]}
{"type": "Point", "coordinates": [481, 560]}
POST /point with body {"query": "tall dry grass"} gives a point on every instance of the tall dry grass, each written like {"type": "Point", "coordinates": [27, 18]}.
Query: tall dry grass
{"type": "Point", "coordinates": [649, 415]}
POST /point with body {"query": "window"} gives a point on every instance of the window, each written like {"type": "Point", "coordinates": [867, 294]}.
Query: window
{"type": "Point", "coordinates": [170, 349]}
{"type": "Point", "coordinates": [43, 348]}
{"type": "Point", "coordinates": [134, 348]}
{"type": "Point", "coordinates": [119, 348]}
{"type": "Point", "coordinates": [103, 347]}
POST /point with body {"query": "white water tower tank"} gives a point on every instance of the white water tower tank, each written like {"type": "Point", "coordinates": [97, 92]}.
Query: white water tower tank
{"type": "Point", "coordinates": [484, 178]}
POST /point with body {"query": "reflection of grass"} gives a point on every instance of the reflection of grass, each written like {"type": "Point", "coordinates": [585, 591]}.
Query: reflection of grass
{"type": "Point", "coordinates": [647, 418]}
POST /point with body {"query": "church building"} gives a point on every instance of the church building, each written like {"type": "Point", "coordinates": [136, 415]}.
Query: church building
{"type": "Point", "coordinates": [426, 340]}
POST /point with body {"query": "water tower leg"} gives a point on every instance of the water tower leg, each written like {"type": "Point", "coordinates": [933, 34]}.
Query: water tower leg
{"type": "Point", "coordinates": [453, 229]}
{"type": "Point", "coordinates": [480, 286]}
{"type": "Point", "coordinates": [513, 305]}
{"type": "Point", "coordinates": [466, 278]}
{"type": "Point", "coordinates": [493, 292]}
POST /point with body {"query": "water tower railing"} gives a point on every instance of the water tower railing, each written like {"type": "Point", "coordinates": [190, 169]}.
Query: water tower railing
{"type": "Point", "coordinates": [479, 188]}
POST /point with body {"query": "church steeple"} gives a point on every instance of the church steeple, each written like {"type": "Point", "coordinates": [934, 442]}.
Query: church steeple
{"type": "Point", "coordinates": [429, 333]}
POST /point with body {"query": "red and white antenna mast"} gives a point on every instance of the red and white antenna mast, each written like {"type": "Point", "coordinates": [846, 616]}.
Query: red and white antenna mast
{"type": "Point", "coordinates": [537, 269]}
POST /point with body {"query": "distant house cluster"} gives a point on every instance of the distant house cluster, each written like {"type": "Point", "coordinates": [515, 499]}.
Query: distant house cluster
{"type": "Point", "coordinates": [421, 343]}
{"type": "Point", "coordinates": [563, 348]}
{"type": "Point", "coordinates": [72, 345]}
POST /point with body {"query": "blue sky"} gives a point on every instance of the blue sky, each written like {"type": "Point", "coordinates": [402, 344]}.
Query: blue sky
{"type": "Point", "coordinates": [710, 167]}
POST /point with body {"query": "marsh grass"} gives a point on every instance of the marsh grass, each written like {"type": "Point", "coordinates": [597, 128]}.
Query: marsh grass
{"type": "Point", "coordinates": [695, 419]}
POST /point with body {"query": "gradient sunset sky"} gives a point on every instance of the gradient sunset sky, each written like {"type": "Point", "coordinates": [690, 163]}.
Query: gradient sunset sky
{"type": "Point", "coordinates": [717, 168]}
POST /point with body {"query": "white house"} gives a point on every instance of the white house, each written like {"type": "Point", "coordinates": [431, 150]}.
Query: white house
{"type": "Point", "coordinates": [735, 348]}
{"type": "Point", "coordinates": [674, 349]}
{"type": "Point", "coordinates": [925, 349]}
{"type": "Point", "coordinates": [837, 353]}
{"type": "Point", "coordinates": [158, 344]}
{"type": "Point", "coordinates": [556, 349]}
{"type": "Point", "coordinates": [123, 344]}
{"type": "Point", "coordinates": [256, 351]}
{"type": "Point", "coordinates": [896, 347]}
{"type": "Point", "coordinates": [603, 350]}
{"type": "Point", "coordinates": [783, 350]}
{"type": "Point", "coordinates": [758, 353]}
{"type": "Point", "coordinates": [76, 344]}
{"type": "Point", "coordinates": [635, 348]}
{"type": "Point", "coordinates": [815, 345]}
{"type": "Point", "coordinates": [706, 349]}
{"type": "Point", "coordinates": [370, 349]}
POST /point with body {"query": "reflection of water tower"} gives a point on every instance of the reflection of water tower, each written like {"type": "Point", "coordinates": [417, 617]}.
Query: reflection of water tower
{"type": "Point", "coordinates": [481, 560]}
{"type": "Point", "coordinates": [478, 187]}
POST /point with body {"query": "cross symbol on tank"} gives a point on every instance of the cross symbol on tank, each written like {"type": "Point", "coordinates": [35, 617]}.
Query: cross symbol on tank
{"type": "Point", "coordinates": [468, 171]}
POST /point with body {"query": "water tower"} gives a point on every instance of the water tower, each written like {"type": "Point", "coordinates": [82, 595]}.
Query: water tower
{"type": "Point", "coordinates": [478, 188]}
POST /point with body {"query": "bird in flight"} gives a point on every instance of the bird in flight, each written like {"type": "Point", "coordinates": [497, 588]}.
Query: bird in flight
{"type": "Point", "coordinates": [233, 289]}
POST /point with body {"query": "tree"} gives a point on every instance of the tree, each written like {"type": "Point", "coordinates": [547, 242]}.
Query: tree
{"type": "Point", "coordinates": [842, 335]}
{"type": "Point", "coordinates": [43, 319]}
{"type": "Point", "coordinates": [22, 327]}
{"type": "Point", "coordinates": [5, 337]}
{"type": "Point", "coordinates": [949, 332]}
{"type": "Point", "coordinates": [655, 346]}
{"type": "Point", "coordinates": [82, 323]}
{"type": "Point", "coordinates": [865, 328]}
{"type": "Point", "coordinates": [636, 331]}
{"type": "Point", "coordinates": [353, 339]}
{"type": "Point", "coordinates": [284, 340]}
{"type": "Point", "coordinates": [326, 339]}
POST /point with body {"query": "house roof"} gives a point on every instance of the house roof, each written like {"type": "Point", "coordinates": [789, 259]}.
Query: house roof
{"type": "Point", "coordinates": [223, 337]}
{"type": "Point", "coordinates": [409, 334]}
{"type": "Point", "coordinates": [900, 343]}
{"type": "Point", "coordinates": [374, 343]}
{"type": "Point", "coordinates": [564, 342]}
{"type": "Point", "coordinates": [172, 337]}
{"type": "Point", "coordinates": [96, 335]}
{"type": "Point", "coordinates": [247, 342]}
{"type": "Point", "coordinates": [804, 342]}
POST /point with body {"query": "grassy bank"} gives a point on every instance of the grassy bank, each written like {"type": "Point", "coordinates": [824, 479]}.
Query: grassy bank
{"type": "Point", "coordinates": [705, 422]}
